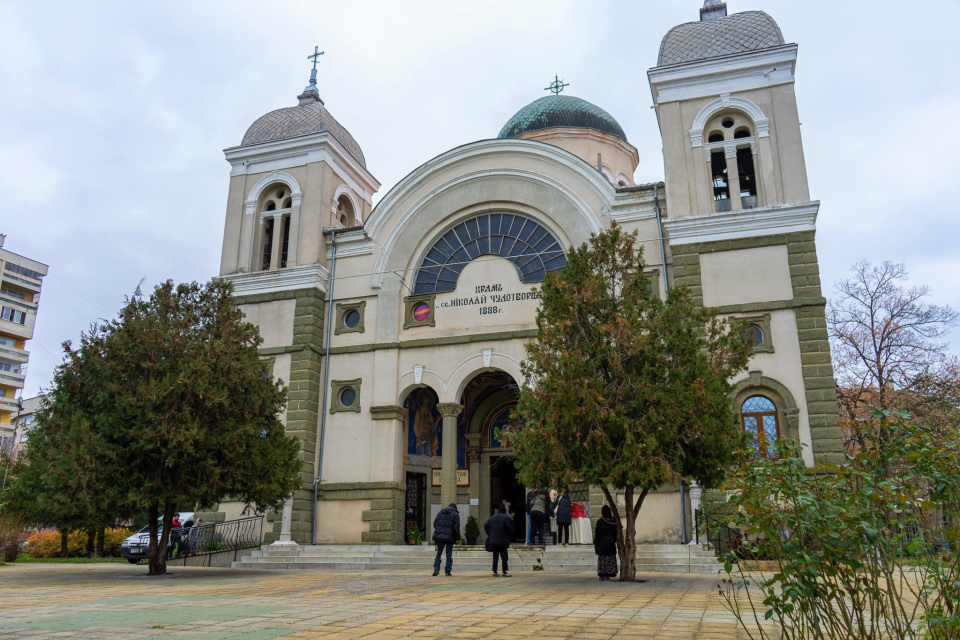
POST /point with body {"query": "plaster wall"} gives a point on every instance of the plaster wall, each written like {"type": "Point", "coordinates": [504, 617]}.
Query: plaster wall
{"type": "Point", "coordinates": [341, 521]}
{"type": "Point", "coordinates": [616, 154]}
{"type": "Point", "coordinates": [746, 275]}
{"type": "Point", "coordinates": [274, 319]}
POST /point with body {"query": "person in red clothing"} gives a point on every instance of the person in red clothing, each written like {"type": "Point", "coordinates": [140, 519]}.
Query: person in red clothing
{"type": "Point", "coordinates": [176, 520]}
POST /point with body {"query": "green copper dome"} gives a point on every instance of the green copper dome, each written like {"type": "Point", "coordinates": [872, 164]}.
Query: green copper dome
{"type": "Point", "coordinates": [561, 111]}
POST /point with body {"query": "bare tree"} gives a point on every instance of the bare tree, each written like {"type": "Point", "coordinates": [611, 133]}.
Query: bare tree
{"type": "Point", "coordinates": [887, 343]}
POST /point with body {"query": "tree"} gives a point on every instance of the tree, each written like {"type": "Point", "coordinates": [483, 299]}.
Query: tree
{"type": "Point", "coordinates": [887, 348]}
{"type": "Point", "coordinates": [624, 390]}
{"type": "Point", "coordinates": [177, 408]}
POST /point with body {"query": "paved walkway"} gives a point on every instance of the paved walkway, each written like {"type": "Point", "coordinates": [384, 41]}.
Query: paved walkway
{"type": "Point", "coordinates": [120, 601]}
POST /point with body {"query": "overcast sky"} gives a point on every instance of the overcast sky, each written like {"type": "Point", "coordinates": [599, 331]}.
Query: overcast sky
{"type": "Point", "coordinates": [114, 115]}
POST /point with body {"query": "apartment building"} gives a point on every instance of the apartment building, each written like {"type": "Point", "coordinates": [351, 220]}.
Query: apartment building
{"type": "Point", "coordinates": [20, 282]}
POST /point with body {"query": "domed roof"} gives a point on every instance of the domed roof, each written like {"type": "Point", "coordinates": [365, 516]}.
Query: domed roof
{"type": "Point", "coordinates": [561, 111]}
{"type": "Point", "coordinates": [310, 116]}
{"type": "Point", "coordinates": [747, 31]}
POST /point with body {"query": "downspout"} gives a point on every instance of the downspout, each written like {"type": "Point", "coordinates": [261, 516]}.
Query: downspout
{"type": "Point", "coordinates": [666, 288]}
{"type": "Point", "coordinates": [326, 384]}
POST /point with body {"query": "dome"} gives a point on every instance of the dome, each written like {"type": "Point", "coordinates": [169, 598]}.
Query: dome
{"type": "Point", "coordinates": [310, 116]}
{"type": "Point", "coordinates": [561, 111]}
{"type": "Point", "coordinates": [718, 36]}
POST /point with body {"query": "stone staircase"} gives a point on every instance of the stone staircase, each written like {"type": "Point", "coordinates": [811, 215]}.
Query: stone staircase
{"type": "Point", "coordinates": [671, 558]}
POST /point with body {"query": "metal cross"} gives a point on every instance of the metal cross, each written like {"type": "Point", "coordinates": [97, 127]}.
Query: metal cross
{"type": "Point", "coordinates": [316, 55]}
{"type": "Point", "coordinates": [556, 86]}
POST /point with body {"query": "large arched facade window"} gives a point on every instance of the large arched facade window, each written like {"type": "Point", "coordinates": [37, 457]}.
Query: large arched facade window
{"type": "Point", "coordinates": [758, 415]}
{"type": "Point", "coordinates": [531, 247]}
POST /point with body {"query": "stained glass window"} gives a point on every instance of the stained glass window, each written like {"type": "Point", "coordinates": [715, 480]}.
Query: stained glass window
{"type": "Point", "coordinates": [759, 417]}
{"type": "Point", "coordinates": [532, 249]}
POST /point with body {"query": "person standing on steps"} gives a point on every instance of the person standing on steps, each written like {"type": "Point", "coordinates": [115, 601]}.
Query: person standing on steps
{"type": "Point", "coordinates": [499, 530]}
{"type": "Point", "coordinates": [538, 515]}
{"type": "Point", "coordinates": [446, 531]}
{"type": "Point", "coordinates": [564, 518]}
{"type": "Point", "coordinates": [605, 544]}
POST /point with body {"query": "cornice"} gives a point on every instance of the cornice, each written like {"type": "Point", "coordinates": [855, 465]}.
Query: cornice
{"type": "Point", "coordinates": [746, 223]}
{"type": "Point", "coordinates": [724, 74]}
{"type": "Point", "coordinates": [350, 243]}
{"type": "Point", "coordinates": [298, 151]}
{"type": "Point", "coordinates": [287, 279]}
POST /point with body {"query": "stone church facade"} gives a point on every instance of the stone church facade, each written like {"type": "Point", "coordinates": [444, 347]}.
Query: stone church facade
{"type": "Point", "coordinates": [399, 329]}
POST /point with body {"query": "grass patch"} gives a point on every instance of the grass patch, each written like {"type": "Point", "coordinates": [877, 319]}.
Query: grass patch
{"type": "Point", "coordinates": [27, 558]}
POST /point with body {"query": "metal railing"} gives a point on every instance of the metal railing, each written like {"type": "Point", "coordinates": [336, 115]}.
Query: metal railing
{"type": "Point", "coordinates": [215, 537]}
{"type": "Point", "coordinates": [720, 535]}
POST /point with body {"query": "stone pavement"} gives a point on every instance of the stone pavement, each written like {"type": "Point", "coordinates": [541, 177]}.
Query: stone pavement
{"type": "Point", "coordinates": [120, 601]}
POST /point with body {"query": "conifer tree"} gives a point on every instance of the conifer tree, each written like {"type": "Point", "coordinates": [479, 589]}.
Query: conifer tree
{"type": "Point", "coordinates": [167, 407]}
{"type": "Point", "coordinates": [624, 390]}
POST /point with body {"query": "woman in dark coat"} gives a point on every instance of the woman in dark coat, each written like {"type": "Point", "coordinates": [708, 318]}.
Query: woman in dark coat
{"type": "Point", "coordinates": [499, 530]}
{"type": "Point", "coordinates": [605, 544]}
{"type": "Point", "coordinates": [564, 518]}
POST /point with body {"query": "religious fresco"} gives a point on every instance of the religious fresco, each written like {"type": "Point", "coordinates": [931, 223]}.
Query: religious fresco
{"type": "Point", "coordinates": [498, 424]}
{"type": "Point", "coordinates": [424, 428]}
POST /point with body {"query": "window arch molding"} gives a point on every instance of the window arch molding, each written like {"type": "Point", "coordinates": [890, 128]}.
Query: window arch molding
{"type": "Point", "coordinates": [530, 245]}
{"type": "Point", "coordinates": [344, 190]}
{"type": "Point", "coordinates": [272, 178]}
{"type": "Point", "coordinates": [757, 384]}
{"type": "Point", "coordinates": [726, 101]}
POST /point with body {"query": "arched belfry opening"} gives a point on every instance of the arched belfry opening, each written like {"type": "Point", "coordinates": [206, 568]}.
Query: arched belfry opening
{"type": "Point", "coordinates": [346, 216]}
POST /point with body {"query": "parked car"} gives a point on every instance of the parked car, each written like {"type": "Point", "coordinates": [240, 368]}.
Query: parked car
{"type": "Point", "coordinates": [137, 547]}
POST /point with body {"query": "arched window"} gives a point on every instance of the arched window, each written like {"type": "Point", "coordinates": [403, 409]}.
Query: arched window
{"type": "Point", "coordinates": [758, 415]}
{"type": "Point", "coordinates": [532, 249]}
{"type": "Point", "coordinates": [345, 213]}
{"type": "Point", "coordinates": [715, 137]}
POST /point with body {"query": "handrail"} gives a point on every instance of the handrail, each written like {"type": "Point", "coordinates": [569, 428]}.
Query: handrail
{"type": "Point", "coordinates": [215, 537]}
{"type": "Point", "coordinates": [720, 535]}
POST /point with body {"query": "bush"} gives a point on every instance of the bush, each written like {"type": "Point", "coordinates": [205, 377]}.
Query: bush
{"type": "Point", "coordinates": [46, 544]}
{"type": "Point", "coordinates": [10, 528]}
{"type": "Point", "coordinates": [867, 548]}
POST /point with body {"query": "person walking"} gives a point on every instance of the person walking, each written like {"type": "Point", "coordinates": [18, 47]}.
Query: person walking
{"type": "Point", "coordinates": [564, 518]}
{"type": "Point", "coordinates": [529, 505]}
{"type": "Point", "coordinates": [499, 530]}
{"type": "Point", "coordinates": [538, 515]}
{"type": "Point", "coordinates": [605, 544]}
{"type": "Point", "coordinates": [446, 531]}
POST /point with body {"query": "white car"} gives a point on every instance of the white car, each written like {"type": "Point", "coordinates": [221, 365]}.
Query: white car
{"type": "Point", "coordinates": [137, 546]}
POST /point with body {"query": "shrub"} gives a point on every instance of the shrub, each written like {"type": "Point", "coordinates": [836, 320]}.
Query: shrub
{"type": "Point", "coordinates": [46, 544]}
{"type": "Point", "coordinates": [10, 528]}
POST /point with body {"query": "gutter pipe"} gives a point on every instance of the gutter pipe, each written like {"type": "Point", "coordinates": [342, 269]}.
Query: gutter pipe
{"type": "Point", "coordinates": [666, 287]}
{"type": "Point", "coordinates": [326, 384]}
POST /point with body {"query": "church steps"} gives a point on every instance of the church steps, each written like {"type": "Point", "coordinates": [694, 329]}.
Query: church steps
{"type": "Point", "coordinates": [650, 558]}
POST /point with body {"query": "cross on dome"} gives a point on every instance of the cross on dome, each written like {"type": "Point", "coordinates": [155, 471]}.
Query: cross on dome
{"type": "Point", "coordinates": [556, 86]}
{"type": "Point", "coordinates": [310, 92]}
{"type": "Point", "coordinates": [315, 56]}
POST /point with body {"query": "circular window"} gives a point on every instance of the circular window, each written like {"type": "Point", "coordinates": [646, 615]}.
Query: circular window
{"type": "Point", "coordinates": [421, 312]}
{"type": "Point", "coordinates": [727, 123]}
{"type": "Point", "coordinates": [755, 334]}
{"type": "Point", "coordinates": [351, 318]}
{"type": "Point", "coordinates": [348, 395]}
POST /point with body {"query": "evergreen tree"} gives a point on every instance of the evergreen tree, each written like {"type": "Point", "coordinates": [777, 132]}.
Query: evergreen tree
{"type": "Point", "coordinates": [169, 406]}
{"type": "Point", "coordinates": [624, 390]}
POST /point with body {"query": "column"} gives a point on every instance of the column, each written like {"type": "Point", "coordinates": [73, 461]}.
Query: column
{"type": "Point", "coordinates": [448, 469]}
{"type": "Point", "coordinates": [473, 463]}
{"type": "Point", "coordinates": [286, 520]}
{"type": "Point", "coordinates": [763, 165]}
{"type": "Point", "coordinates": [294, 222]}
{"type": "Point", "coordinates": [245, 261]}
{"type": "Point", "coordinates": [696, 495]}
{"type": "Point", "coordinates": [277, 247]}
{"type": "Point", "coordinates": [733, 177]}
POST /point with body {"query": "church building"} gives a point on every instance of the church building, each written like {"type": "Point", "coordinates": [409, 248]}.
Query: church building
{"type": "Point", "coordinates": [399, 328]}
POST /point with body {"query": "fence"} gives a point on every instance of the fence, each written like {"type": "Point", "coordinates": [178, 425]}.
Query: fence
{"type": "Point", "coordinates": [215, 537]}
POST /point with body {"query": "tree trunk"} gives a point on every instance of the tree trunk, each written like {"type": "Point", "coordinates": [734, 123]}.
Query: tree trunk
{"type": "Point", "coordinates": [64, 551]}
{"type": "Point", "coordinates": [627, 540]}
{"type": "Point", "coordinates": [158, 544]}
{"type": "Point", "coordinates": [101, 536]}
{"type": "Point", "coordinates": [91, 539]}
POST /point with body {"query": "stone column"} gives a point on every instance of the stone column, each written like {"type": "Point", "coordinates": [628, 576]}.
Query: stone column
{"type": "Point", "coordinates": [246, 261]}
{"type": "Point", "coordinates": [448, 471]}
{"type": "Point", "coordinates": [286, 520]}
{"type": "Point", "coordinates": [294, 223]}
{"type": "Point", "coordinates": [763, 166]}
{"type": "Point", "coordinates": [733, 178]}
{"type": "Point", "coordinates": [473, 463]}
{"type": "Point", "coordinates": [277, 247]}
{"type": "Point", "coordinates": [696, 495]}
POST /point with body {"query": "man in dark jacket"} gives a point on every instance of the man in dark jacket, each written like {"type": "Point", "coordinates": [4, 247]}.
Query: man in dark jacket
{"type": "Point", "coordinates": [563, 514]}
{"type": "Point", "coordinates": [499, 530]}
{"type": "Point", "coordinates": [446, 531]}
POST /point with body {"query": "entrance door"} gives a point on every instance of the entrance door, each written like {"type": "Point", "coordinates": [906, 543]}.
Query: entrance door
{"type": "Point", "coordinates": [504, 484]}
{"type": "Point", "coordinates": [416, 512]}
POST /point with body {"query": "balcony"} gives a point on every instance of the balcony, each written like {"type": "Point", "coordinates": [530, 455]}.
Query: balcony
{"type": "Point", "coordinates": [12, 379]}
{"type": "Point", "coordinates": [9, 404]}
{"type": "Point", "coordinates": [14, 354]}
